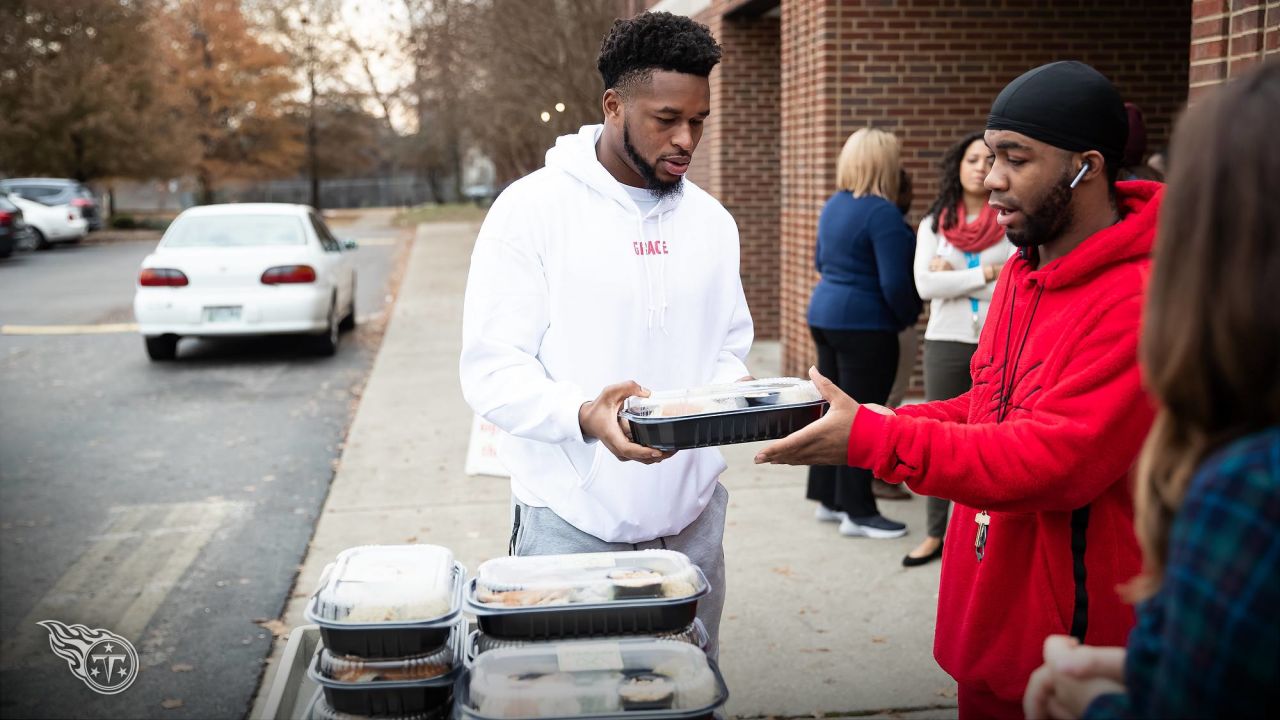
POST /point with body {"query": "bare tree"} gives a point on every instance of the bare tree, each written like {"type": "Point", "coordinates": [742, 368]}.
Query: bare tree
{"type": "Point", "coordinates": [486, 71]}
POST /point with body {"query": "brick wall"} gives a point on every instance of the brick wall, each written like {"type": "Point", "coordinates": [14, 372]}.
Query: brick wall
{"type": "Point", "coordinates": [927, 70]}
{"type": "Point", "coordinates": [737, 160]}
{"type": "Point", "coordinates": [1228, 37]}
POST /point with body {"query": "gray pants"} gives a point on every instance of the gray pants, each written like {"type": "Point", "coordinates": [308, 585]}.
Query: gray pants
{"type": "Point", "coordinates": [539, 531]}
{"type": "Point", "coordinates": [946, 375]}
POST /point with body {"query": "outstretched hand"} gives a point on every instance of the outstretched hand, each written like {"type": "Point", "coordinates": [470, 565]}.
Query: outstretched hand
{"type": "Point", "coordinates": [599, 419]}
{"type": "Point", "coordinates": [825, 442]}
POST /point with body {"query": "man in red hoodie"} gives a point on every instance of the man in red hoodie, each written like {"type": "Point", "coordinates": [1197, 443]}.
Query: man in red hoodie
{"type": "Point", "coordinates": [1037, 455]}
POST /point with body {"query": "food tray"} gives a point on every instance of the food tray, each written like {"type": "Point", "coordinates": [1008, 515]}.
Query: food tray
{"type": "Point", "coordinates": [591, 679]}
{"type": "Point", "coordinates": [479, 643]}
{"type": "Point", "coordinates": [723, 414]}
{"type": "Point", "coordinates": [392, 697]}
{"type": "Point", "coordinates": [589, 594]}
{"type": "Point", "coordinates": [387, 639]}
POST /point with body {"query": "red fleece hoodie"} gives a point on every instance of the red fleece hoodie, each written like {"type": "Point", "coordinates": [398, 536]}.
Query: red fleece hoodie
{"type": "Point", "coordinates": [1058, 358]}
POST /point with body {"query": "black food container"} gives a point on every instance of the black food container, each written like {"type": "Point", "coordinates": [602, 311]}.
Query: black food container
{"type": "Point", "coordinates": [742, 425]}
{"type": "Point", "coordinates": [389, 638]}
{"type": "Point", "coordinates": [548, 597]}
{"type": "Point", "coordinates": [592, 679]}
{"type": "Point", "coordinates": [431, 697]}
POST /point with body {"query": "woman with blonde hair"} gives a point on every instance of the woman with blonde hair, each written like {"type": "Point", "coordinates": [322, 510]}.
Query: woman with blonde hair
{"type": "Point", "coordinates": [1207, 643]}
{"type": "Point", "coordinates": [865, 297]}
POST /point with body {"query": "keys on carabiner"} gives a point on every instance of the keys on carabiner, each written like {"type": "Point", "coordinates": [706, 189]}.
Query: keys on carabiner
{"type": "Point", "coordinates": [980, 540]}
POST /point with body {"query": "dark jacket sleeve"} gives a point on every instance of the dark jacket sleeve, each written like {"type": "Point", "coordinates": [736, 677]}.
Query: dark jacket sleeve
{"type": "Point", "coordinates": [895, 249]}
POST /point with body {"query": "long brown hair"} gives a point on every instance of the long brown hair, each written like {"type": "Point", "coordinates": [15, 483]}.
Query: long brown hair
{"type": "Point", "coordinates": [1210, 346]}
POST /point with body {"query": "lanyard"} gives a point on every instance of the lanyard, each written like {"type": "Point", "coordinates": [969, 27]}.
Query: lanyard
{"type": "Point", "coordinates": [974, 260]}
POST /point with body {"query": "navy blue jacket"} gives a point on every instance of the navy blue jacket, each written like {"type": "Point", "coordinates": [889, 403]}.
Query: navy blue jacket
{"type": "Point", "coordinates": [865, 252]}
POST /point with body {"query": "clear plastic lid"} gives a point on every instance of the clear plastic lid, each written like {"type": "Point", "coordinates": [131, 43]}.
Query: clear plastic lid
{"type": "Point", "coordinates": [351, 669]}
{"type": "Point", "coordinates": [592, 678]}
{"type": "Point", "coordinates": [586, 578]}
{"type": "Point", "coordinates": [769, 392]}
{"type": "Point", "coordinates": [695, 635]}
{"type": "Point", "coordinates": [387, 584]}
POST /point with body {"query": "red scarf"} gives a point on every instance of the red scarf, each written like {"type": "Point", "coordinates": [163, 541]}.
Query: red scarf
{"type": "Point", "coordinates": [976, 236]}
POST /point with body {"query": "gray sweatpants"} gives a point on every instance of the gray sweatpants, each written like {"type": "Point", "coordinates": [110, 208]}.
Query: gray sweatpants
{"type": "Point", "coordinates": [539, 531]}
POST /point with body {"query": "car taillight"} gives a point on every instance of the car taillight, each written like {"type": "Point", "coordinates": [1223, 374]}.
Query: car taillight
{"type": "Point", "coordinates": [6, 218]}
{"type": "Point", "coordinates": [82, 203]}
{"type": "Point", "coordinates": [289, 274]}
{"type": "Point", "coordinates": [161, 277]}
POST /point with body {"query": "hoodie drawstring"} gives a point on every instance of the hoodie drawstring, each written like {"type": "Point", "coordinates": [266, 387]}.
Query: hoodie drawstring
{"type": "Point", "coordinates": [654, 305]}
{"type": "Point", "coordinates": [648, 278]}
{"type": "Point", "coordinates": [662, 277]}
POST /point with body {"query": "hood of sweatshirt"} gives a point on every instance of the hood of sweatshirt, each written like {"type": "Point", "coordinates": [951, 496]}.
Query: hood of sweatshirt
{"type": "Point", "coordinates": [575, 155]}
{"type": "Point", "coordinates": [1130, 239]}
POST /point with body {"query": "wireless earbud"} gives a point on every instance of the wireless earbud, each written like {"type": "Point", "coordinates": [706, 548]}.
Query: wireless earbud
{"type": "Point", "coordinates": [1080, 175]}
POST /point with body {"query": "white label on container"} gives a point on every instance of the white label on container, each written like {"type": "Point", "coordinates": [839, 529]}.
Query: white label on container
{"type": "Point", "coordinates": [581, 657]}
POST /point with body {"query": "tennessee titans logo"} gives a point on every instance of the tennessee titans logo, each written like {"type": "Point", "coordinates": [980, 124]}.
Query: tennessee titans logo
{"type": "Point", "coordinates": [104, 661]}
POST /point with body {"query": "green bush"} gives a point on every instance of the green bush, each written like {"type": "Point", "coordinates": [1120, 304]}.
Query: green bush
{"type": "Point", "coordinates": [123, 222]}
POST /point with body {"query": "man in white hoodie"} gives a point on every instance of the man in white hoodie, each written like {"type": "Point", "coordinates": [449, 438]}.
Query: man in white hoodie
{"type": "Point", "coordinates": [594, 278]}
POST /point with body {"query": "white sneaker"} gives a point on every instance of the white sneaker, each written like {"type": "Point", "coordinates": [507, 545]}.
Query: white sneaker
{"type": "Point", "coordinates": [826, 514]}
{"type": "Point", "coordinates": [877, 526]}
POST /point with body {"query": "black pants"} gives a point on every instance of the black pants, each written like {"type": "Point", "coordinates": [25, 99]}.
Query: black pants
{"type": "Point", "coordinates": [863, 364]}
{"type": "Point", "coordinates": [946, 375]}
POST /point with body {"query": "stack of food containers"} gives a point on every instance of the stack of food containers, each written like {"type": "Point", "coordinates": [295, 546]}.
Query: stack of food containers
{"type": "Point", "coordinates": [588, 635]}
{"type": "Point", "coordinates": [391, 632]}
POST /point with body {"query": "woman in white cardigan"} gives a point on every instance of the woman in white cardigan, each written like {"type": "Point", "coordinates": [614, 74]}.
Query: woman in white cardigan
{"type": "Point", "coordinates": [960, 251]}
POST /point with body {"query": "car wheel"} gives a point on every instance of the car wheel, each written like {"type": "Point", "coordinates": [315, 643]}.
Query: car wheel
{"type": "Point", "coordinates": [161, 348]}
{"type": "Point", "coordinates": [39, 241]}
{"type": "Point", "coordinates": [326, 344]}
{"type": "Point", "coordinates": [349, 320]}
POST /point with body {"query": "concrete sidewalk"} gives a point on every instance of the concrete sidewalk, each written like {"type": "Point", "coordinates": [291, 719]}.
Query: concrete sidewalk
{"type": "Point", "coordinates": [815, 624]}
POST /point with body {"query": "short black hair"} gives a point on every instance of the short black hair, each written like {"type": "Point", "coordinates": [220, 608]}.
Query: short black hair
{"type": "Point", "coordinates": [650, 41]}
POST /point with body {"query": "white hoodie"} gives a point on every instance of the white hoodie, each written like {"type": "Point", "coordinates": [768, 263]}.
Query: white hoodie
{"type": "Point", "coordinates": [571, 290]}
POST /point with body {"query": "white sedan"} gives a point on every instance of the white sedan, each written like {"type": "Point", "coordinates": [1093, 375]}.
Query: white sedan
{"type": "Point", "coordinates": [48, 224]}
{"type": "Point", "coordinates": [246, 269]}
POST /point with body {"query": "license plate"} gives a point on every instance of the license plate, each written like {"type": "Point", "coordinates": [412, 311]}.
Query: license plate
{"type": "Point", "coordinates": [230, 313]}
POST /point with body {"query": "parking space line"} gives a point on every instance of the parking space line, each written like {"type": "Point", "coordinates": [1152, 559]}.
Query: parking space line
{"type": "Point", "coordinates": [126, 574]}
{"type": "Point", "coordinates": [102, 329]}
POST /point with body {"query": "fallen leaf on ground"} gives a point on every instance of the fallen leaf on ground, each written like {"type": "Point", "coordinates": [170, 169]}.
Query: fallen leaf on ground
{"type": "Point", "coordinates": [784, 571]}
{"type": "Point", "coordinates": [182, 667]}
{"type": "Point", "coordinates": [879, 639]}
{"type": "Point", "coordinates": [277, 627]}
{"type": "Point", "coordinates": [171, 704]}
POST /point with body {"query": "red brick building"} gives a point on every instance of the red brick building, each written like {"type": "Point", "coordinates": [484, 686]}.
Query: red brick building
{"type": "Point", "coordinates": [798, 76]}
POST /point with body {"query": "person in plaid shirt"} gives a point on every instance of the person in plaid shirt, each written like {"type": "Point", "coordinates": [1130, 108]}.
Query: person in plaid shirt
{"type": "Point", "coordinates": [1207, 641]}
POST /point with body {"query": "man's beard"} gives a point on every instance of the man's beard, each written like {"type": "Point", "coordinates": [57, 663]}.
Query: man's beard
{"type": "Point", "coordinates": [1052, 215]}
{"type": "Point", "coordinates": [652, 182]}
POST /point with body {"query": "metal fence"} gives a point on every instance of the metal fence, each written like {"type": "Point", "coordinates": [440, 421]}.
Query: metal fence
{"type": "Point", "coordinates": [397, 191]}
